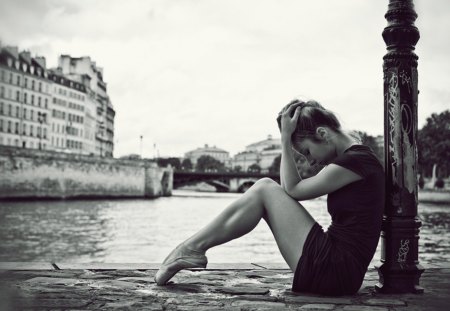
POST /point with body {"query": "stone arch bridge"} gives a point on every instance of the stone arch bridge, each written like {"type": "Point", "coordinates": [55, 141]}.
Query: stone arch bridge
{"type": "Point", "coordinates": [222, 181]}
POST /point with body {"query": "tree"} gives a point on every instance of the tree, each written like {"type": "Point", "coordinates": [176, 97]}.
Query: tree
{"type": "Point", "coordinates": [186, 165]}
{"type": "Point", "coordinates": [237, 168]}
{"type": "Point", "coordinates": [275, 166]}
{"type": "Point", "coordinates": [433, 144]}
{"type": "Point", "coordinates": [209, 164]}
{"type": "Point", "coordinates": [370, 141]}
{"type": "Point", "coordinates": [174, 162]}
{"type": "Point", "coordinates": [254, 168]}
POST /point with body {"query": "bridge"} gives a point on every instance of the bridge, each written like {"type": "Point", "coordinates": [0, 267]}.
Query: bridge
{"type": "Point", "coordinates": [222, 181]}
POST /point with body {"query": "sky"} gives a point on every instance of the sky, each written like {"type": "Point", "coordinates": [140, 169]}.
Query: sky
{"type": "Point", "coordinates": [185, 73]}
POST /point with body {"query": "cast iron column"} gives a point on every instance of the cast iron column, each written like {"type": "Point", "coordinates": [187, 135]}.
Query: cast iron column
{"type": "Point", "coordinates": [400, 271]}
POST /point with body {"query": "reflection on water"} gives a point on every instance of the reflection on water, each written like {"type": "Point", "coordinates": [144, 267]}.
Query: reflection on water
{"type": "Point", "coordinates": [146, 230]}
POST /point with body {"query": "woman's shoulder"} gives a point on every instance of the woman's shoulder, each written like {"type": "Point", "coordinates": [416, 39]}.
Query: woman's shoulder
{"type": "Point", "coordinates": [359, 158]}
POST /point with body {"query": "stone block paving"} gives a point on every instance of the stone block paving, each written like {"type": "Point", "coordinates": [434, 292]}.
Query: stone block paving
{"type": "Point", "coordinates": [246, 287]}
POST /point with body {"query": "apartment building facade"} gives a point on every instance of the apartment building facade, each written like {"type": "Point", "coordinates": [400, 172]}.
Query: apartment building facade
{"type": "Point", "coordinates": [24, 100]}
{"type": "Point", "coordinates": [54, 109]}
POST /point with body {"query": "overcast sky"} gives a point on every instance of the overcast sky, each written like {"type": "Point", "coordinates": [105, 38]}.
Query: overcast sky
{"type": "Point", "coordinates": [184, 73]}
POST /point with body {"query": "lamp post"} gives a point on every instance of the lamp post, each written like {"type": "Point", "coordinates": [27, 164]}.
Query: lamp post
{"type": "Point", "coordinates": [400, 270]}
{"type": "Point", "coordinates": [41, 118]}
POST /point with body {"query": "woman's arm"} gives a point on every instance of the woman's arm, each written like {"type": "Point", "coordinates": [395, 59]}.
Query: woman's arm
{"type": "Point", "coordinates": [329, 179]}
{"type": "Point", "coordinates": [289, 175]}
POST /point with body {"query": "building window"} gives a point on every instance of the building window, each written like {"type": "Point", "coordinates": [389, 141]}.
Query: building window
{"type": "Point", "coordinates": [10, 77]}
{"type": "Point", "coordinates": [2, 75]}
{"type": "Point", "coordinates": [18, 80]}
{"type": "Point", "coordinates": [17, 112]}
{"type": "Point", "coordinates": [26, 82]}
{"type": "Point", "coordinates": [9, 127]}
{"type": "Point", "coordinates": [40, 86]}
{"type": "Point", "coordinates": [39, 101]}
{"type": "Point", "coordinates": [39, 131]}
{"type": "Point", "coordinates": [32, 99]}
{"type": "Point", "coordinates": [2, 92]}
{"type": "Point", "coordinates": [32, 115]}
{"type": "Point", "coordinates": [17, 128]}
{"type": "Point", "coordinates": [24, 129]}
{"type": "Point", "coordinates": [25, 113]}
{"type": "Point", "coordinates": [25, 99]}
{"type": "Point", "coordinates": [45, 133]}
{"type": "Point", "coordinates": [31, 130]}
{"type": "Point", "coordinates": [18, 96]}
{"type": "Point", "coordinates": [32, 85]}
{"type": "Point", "coordinates": [1, 125]}
{"type": "Point", "coordinates": [1, 107]}
{"type": "Point", "coordinates": [46, 103]}
{"type": "Point", "coordinates": [10, 110]}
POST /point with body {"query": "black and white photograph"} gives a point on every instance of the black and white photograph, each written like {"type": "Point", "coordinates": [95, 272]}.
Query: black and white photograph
{"type": "Point", "coordinates": [224, 155]}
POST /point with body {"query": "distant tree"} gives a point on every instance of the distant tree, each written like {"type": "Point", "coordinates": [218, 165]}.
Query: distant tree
{"type": "Point", "coordinates": [433, 144]}
{"type": "Point", "coordinates": [237, 168]}
{"type": "Point", "coordinates": [209, 164]}
{"type": "Point", "coordinates": [370, 141]}
{"type": "Point", "coordinates": [254, 168]}
{"type": "Point", "coordinates": [174, 162]}
{"type": "Point", "coordinates": [186, 165]}
{"type": "Point", "coordinates": [275, 166]}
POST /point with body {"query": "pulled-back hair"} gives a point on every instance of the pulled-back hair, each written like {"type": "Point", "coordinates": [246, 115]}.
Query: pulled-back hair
{"type": "Point", "coordinates": [312, 115]}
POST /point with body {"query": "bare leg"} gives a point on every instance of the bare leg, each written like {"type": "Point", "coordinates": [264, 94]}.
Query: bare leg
{"type": "Point", "coordinates": [289, 221]}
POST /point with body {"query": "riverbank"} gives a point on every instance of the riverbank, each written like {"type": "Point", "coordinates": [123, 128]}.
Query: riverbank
{"type": "Point", "coordinates": [434, 196]}
{"type": "Point", "coordinates": [28, 174]}
{"type": "Point", "coordinates": [257, 286]}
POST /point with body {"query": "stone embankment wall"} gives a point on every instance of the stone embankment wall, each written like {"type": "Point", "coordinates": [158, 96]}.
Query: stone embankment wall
{"type": "Point", "coordinates": [31, 174]}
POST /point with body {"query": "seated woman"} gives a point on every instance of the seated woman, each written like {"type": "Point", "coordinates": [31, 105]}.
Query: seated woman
{"type": "Point", "coordinates": [332, 262]}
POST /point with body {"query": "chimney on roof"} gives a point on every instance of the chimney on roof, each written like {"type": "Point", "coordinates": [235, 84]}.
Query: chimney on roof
{"type": "Point", "coordinates": [26, 56]}
{"type": "Point", "coordinates": [13, 50]}
{"type": "Point", "coordinates": [41, 61]}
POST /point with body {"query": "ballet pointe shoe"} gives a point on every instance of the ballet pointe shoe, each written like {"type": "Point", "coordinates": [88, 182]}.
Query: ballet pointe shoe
{"type": "Point", "coordinates": [180, 258]}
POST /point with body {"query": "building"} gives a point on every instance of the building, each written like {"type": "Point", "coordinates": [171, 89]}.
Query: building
{"type": "Point", "coordinates": [70, 127]}
{"type": "Point", "coordinates": [261, 153]}
{"type": "Point", "coordinates": [217, 153]}
{"type": "Point", "coordinates": [84, 70]}
{"type": "Point", "coordinates": [25, 96]}
{"type": "Point", "coordinates": [64, 109]}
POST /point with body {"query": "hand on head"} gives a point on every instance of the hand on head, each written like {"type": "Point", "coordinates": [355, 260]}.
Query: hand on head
{"type": "Point", "coordinates": [287, 118]}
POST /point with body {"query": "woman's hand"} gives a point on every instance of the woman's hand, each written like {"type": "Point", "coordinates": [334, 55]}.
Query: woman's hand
{"type": "Point", "coordinates": [288, 119]}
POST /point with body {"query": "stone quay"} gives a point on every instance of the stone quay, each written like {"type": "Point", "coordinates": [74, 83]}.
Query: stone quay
{"type": "Point", "coordinates": [256, 286]}
{"type": "Point", "coordinates": [40, 174]}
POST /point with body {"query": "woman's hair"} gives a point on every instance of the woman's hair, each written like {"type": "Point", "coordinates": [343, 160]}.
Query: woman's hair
{"type": "Point", "coordinates": [312, 115]}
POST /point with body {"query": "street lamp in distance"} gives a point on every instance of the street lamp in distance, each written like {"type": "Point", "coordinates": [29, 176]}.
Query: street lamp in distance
{"type": "Point", "coordinates": [41, 118]}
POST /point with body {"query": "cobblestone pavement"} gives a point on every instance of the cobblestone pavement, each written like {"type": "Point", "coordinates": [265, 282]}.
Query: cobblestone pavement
{"type": "Point", "coordinates": [45, 286]}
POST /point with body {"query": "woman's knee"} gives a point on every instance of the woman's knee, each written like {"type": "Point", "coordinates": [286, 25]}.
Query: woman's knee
{"type": "Point", "coordinates": [266, 182]}
{"type": "Point", "coordinates": [266, 186]}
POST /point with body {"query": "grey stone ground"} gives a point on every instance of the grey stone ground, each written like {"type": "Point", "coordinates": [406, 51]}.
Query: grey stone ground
{"type": "Point", "coordinates": [59, 286]}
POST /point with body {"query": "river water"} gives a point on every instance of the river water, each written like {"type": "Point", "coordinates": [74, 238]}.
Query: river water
{"type": "Point", "coordinates": [135, 231]}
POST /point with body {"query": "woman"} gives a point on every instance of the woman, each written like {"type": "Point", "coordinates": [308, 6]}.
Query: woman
{"type": "Point", "coordinates": [332, 262]}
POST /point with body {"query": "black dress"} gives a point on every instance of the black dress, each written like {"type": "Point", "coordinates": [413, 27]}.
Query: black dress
{"type": "Point", "coordinates": [335, 262]}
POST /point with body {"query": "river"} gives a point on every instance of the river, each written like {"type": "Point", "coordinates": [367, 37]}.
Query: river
{"type": "Point", "coordinates": [135, 231]}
